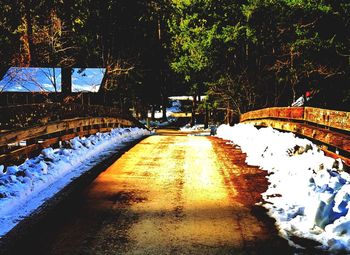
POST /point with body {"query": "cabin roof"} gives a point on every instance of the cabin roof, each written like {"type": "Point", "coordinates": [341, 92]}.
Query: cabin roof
{"type": "Point", "coordinates": [45, 79]}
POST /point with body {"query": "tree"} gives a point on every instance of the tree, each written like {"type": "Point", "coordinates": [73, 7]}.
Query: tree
{"type": "Point", "coordinates": [210, 43]}
{"type": "Point", "coordinates": [274, 50]}
{"type": "Point", "coordinates": [9, 35]}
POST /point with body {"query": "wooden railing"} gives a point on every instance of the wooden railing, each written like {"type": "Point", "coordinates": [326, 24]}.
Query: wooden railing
{"type": "Point", "coordinates": [89, 98]}
{"type": "Point", "coordinates": [20, 116]}
{"type": "Point", "coordinates": [328, 127]}
{"type": "Point", "coordinates": [28, 129]}
{"type": "Point", "coordinates": [328, 118]}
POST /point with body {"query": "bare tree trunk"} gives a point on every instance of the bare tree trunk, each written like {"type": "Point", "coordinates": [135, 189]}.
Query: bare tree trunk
{"type": "Point", "coordinates": [206, 118]}
{"type": "Point", "coordinates": [66, 76]}
{"type": "Point", "coordinates": [104, 81]}
{"type": "Point", "coordinates": [295, 77]}
{"type": "Point", "coordinates": [54, 80]}
{"type": "Point", "coordinates": [228, 114]}
{"type": "Point", "coordinates": [3, 71]}
{"type": "Point", "coordinates": [164, 117]}
{"type": "Point", "coordinates": [153, 112]}
{"type": "Point", "coordinates": [161, 74]}
{"type": "Point", "coordinates": [194, 108]}
{"type": "Point", "coordinates": [294, 93]}
{"type": "Point", "coordinates": [136, 110]}
{"type": "Point", "coordinates": [32, 56]}
{"type": "Point", "coordinates": [121, 105]}
{"type": "Point", "coordinates": [143, 114]}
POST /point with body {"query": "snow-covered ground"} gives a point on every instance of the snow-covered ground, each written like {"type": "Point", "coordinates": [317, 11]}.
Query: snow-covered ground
{"type": "Point", "coordinates": [199, 129]}
{"type": "Point", "coordinates": [26, 187]}
{"type": "Point", "coordinates": [158, 124]}
{"type": "Point", "coordinates": [175, 107]}
{"type": "Point", "coordinates": [308, 194]}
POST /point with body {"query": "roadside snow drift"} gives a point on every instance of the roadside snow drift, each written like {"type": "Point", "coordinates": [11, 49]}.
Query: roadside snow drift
{"type": "Point", "coordinates": [26, 187]}
{"type": "Point", "coordinates": [308, 194]}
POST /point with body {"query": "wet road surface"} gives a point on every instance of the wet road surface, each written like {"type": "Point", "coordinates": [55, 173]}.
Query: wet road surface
{"type": "Point", "coordinates": [169, 194]}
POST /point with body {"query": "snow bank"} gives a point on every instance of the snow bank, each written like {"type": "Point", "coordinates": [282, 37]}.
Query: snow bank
{"type": "Point", "coordinates": [24, 188]}
{"type": "Point", "coordinates": [308, 194]}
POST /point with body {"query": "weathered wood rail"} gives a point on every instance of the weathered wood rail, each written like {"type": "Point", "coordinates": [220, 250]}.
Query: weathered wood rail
{"type": "Point", "coordinates": [88, 98]}
{"type": "Point", "coordinates": [327, 118]}
{"type": "Point", "coordinates": [30, 128]}
{"type": "Point", "coordinates": [329, 127]}
{"type": "Point", "coordinates": [20, 116]}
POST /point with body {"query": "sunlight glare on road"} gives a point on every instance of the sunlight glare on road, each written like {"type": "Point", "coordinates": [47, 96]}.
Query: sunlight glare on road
{"type": "Point", "coordinates": [203, 185]}
{"type": "Point", "coordinates": [186, 200]}
{"type": "Point", "coordinates": [169, 194]}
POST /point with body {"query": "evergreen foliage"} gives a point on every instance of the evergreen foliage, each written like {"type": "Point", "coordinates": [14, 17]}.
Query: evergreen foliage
{"type": "Point", "coordinates": [244, 54]}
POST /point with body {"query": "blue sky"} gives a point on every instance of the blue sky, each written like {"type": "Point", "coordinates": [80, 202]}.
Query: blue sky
{"type": "Point", "coordinates": [43, 79]}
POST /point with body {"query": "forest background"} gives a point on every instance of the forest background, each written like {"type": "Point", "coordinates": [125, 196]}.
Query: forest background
{"type": "Point", "coordinates": [244, 54]}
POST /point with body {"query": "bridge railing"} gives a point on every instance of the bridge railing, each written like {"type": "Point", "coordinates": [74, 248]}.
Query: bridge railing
{"type": "Point", "coordinates": [328, 118]}
{"type": "Point", "coordinates": [20, 116]}
{"type": "Point", "coordinates": [27, 129]}
{"type": "Point", "coordinates": [328, 127]}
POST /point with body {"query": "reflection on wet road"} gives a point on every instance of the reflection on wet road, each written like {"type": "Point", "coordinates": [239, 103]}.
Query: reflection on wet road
{"type": "Point", "coordinates": [171, 195]}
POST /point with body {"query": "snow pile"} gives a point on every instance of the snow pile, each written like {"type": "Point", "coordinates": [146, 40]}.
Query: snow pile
{"type": "Point", "coordinates": [25, 187]}
{"type": "Point", "coordinates": [308, 194]}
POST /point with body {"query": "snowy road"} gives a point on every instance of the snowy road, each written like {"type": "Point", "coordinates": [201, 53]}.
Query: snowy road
{"type": "Point", "coordinates": [169, 194]}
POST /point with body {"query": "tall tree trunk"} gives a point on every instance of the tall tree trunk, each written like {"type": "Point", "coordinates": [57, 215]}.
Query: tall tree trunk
{"type": "Point", "coordinates": [153, 112]}
{"type": "Point", "coordinates": [66, 77]}
{"type": "Point", "coordinates": [206, 117]}
{"type": "Point", "coordinates": [294, 75]}
{"type": "Point", "coordinates": [31, 57]}
{"type": "Point", "coordinates": [136, 110]}
{"type": "Point", "coordinates": [104, 81]}
{"type": "Point", "coordinates": [294, 93]}
{"type": "Point", "coordinates": [26, 39]}
{"type": "Point", "coordinates": [3, 71]}
{"type": "Point", "coordinates": [194, 108]}
{"type": "Point", "coordinates": [228, 114]}
{"type": "Point", "coordinates": [143, 111]}
{"type": "Point", "coordinates": [54, 79]}
{"type": "Point", "coordinates": [121, 105]}
{"type": "Point", "coordinates": [164, 95]}
{"type": "Point", "coordinates": [164, 106]}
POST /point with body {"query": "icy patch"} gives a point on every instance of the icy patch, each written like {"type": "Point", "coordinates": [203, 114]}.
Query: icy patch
{"type": "Point", "coordinates": [308, 194]}
{"type": "Point", "coordinates": [26, 187]}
